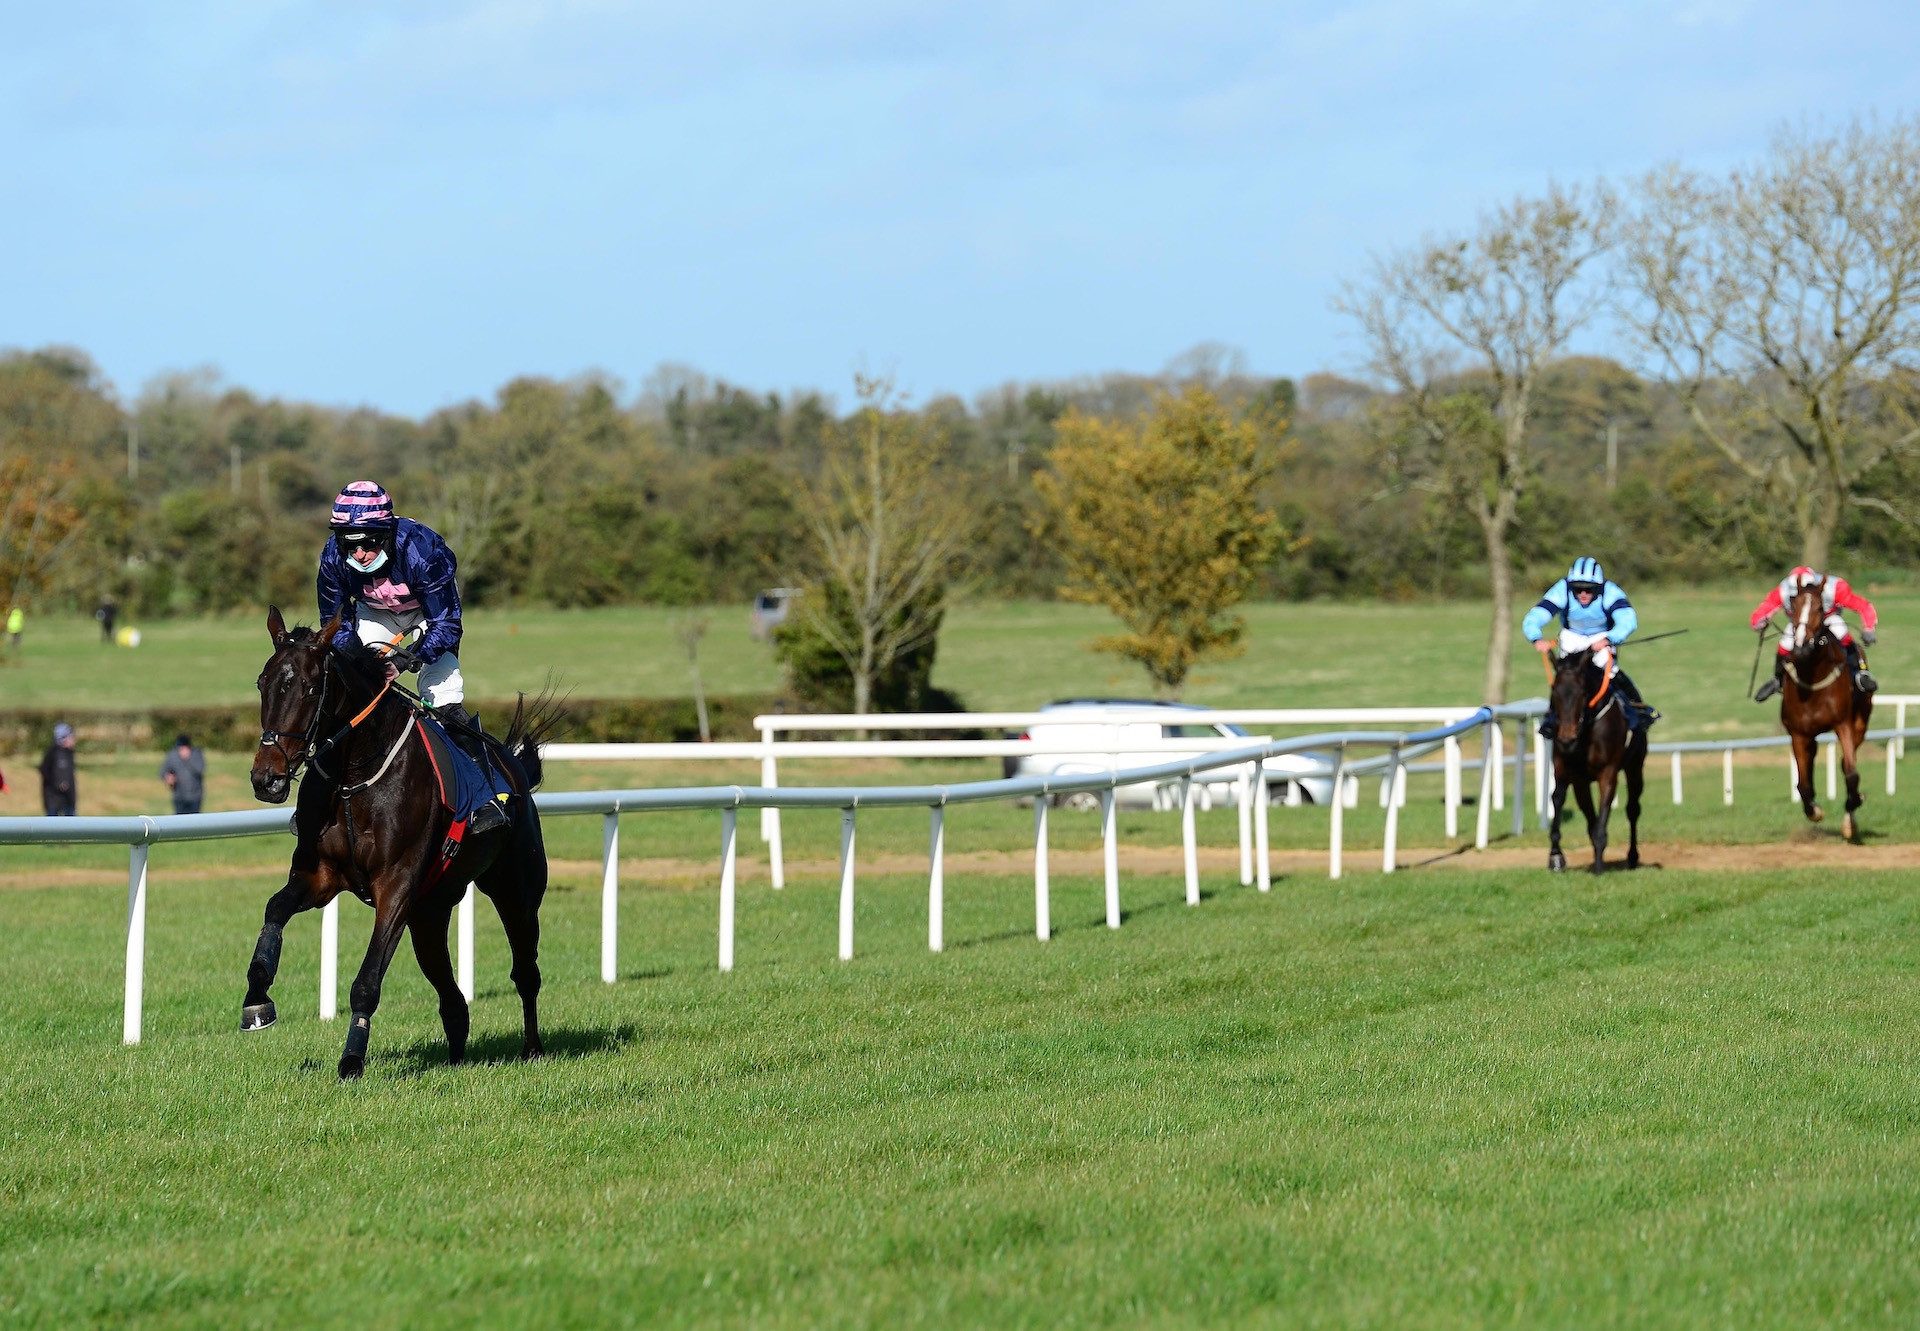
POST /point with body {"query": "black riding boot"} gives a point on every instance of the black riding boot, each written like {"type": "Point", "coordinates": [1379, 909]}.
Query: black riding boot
{"type": "Point", "coordinates": [1779, 680]}
{"type": "Point", "coordinates": [1855, 662]}
{"type": "Point", "coordinates": [465, 730]}
{"type": "Point", "coordinates": [1639, 713]}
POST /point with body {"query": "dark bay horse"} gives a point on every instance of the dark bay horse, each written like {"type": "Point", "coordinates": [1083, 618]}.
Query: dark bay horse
{"type": "Point", "coordinates": [369, 821]}
{"type": "Point", "coordinates": [1593, 744]}
{"type": "Point", "coordinates": [1819, 696]}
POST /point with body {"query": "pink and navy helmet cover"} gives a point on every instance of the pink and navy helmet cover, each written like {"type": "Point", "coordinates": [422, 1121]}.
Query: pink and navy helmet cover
{"type": "Point", "coordinates": [362, 504]}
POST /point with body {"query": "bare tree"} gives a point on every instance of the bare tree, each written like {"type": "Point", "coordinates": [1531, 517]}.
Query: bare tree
{"type": "Point", "coordinates": [690, 627]}
{"type": "Point", "coordinates": [1785, 300]}
{"type": "Point", "coordinates": [888, 532]}
{"type": "Point", "coordinates": [1488, 312]}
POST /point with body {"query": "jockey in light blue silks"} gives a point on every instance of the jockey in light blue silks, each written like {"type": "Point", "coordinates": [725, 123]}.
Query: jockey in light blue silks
{"type": "Point", "coordinates": [392, 581]}
{"type": "Point", "coordinates": [1593, 613]}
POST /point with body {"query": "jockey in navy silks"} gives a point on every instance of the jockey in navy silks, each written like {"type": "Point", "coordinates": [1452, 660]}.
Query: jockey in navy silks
{"type": "Point", "coordinates": [1594, 614]}
{"type": "Point", "coordinates": [391, 579]}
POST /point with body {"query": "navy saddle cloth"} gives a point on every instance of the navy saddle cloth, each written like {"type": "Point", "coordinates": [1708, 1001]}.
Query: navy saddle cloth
{"type": "Point", "coordinates": [464, 786]}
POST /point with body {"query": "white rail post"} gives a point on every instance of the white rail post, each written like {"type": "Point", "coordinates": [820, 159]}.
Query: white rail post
{"type": "Point", "coordinates": [1243, 788]}
{"type": "Point", "coordinates": [136, 945]}
{"type": "Point", "coordinates": [1833, 771]}
{"type": "Point", "coordinates": [770, 778]}
{"type": "Point", "coordinates": [1042, 908]}
{"type": "Point", "coordinates": [1726, 776]}
{"type": "Point", "coordinates": [729, 822]}
{"type": "Point", "coordinates": [1893, 751]}
{"type": "Point", "coordinates": [330, 960]}
{"type": "Point", "coordinates": [1542, 778]}
{"type": "Point", "coordinates": [1489, 768]}
{"type": "Point", "coordinates": [770, 817]}
{"type": "Point", "coordinates": [1453, 785]}
{"type": "Point", "coordinates": [1189, 845]}
{"type": "Point", "coordinates": [1263, 862]}
{"type": "Point", "coordinates": [1496, 740]}
{"type": "Point", "coordinates": [1396, 782]}
{"type": "Point", "coordinates": [1519, 776]}
{"type": "Point", "coordinates": [1677, 793]}
{"type": "Point", "coordinates": [1337, 815]}
{"type": "Point", "coordinates": [846, 885]}
{"type": "Point", "coordinates": [609, 896]}
{"type": "Point", "coordinates": [1110, 851]}
{"type": "Point", "coordinates": [936, 879]}
{"type": "Point", "coordinates": [463, 932]}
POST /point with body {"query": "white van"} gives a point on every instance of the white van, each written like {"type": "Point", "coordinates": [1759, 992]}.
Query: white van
{"type": "Point", "coordinates": [1089, 721]}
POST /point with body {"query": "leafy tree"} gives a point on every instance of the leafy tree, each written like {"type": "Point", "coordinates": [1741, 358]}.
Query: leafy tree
{"type": "Point", "coordinates": [1161, 523]}
{"type": "Point", "coordinates": [888, 533]}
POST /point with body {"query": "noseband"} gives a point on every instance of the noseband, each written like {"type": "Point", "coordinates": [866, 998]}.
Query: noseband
{"type": "Point", "coordinates": [277, 739]}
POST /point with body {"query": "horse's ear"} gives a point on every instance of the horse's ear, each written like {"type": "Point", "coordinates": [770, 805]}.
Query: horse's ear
{"type": "Point", "coordinates": [332, 626]}
{"type": "Point", "coordinates": [276, 626]}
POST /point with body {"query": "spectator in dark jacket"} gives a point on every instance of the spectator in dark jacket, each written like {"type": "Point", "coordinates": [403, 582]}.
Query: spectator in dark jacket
{"type": "Point", "coordinates": [185, 772]}
{"type": "Point", "coordinates": [57, 791]}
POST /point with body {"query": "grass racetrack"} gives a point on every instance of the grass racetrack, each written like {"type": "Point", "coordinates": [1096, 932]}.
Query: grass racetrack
{"type": "Point", "coordinates": [1465, 1095]}
{"type": "Point", "coordinates": [1437, 1099]}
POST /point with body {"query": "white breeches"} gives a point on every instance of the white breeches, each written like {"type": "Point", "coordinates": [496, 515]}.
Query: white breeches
{"type": "Point", "coordinates": [1835, 624]}
{"type": "Point", "coordinates": [1571, 642]}
{"type": "Point", "coordinates": [440, 683]}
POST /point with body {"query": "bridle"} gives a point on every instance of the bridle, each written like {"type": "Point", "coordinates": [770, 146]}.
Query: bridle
{"type": "Point", "coordinates": [1587, 713]}
{"type": "Point", "coordinates": [309, 754]}
{"type": "Point", "coordinates": [305, 754]}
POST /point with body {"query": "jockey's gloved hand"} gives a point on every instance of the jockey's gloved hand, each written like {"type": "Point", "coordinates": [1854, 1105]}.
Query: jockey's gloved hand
{"type": "Point", "coordinates": [1869, 637]}
{"type": "Point", "coordinates": [1542, 646]}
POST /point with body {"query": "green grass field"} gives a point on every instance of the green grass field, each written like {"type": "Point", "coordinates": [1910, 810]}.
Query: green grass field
{"type": "Point", "coordinates": [997, 656]}
{"type": "Point", "coordinates": [1455, 1096]}
{"type": "Point", "coordinates": [1659, 1100]}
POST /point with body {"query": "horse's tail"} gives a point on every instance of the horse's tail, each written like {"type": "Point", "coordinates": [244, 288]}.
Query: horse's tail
{"type": "Point", "coordinates": [532, 724]}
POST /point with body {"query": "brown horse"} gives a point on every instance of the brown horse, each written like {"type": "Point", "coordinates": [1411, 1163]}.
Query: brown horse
{"type": "Point", "coordinates": [1593, 744]}
{"type": "Point", "coordinates": [1820, 696]}
{"type": "Point", "coordinates": [369, 820]}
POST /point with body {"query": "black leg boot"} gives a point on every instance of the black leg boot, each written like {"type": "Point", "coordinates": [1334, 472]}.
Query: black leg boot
{"type": "Point", "coordinates": [1857, 663]}
{"type": "Point", "coordinates": [1778, 682]}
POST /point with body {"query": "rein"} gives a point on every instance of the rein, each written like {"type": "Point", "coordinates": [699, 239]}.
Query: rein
{"type": "Point", "coordinates": [311, 753]}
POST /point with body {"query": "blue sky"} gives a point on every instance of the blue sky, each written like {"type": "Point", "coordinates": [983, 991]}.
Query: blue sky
{"type": "Point", "coordinates": [404, 205]}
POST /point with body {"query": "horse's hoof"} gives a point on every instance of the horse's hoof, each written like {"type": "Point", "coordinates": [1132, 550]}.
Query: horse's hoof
{"type": "Point", "coordinates": [1633, 859]}
{"type": "Point", "coordinates": [531, 1050]}
{"type": "Point", "coordinates": [257, 1016]}
{"type": "Point", "coordinates": [1847, 829]}
{"type": "Point", "coordinates": [351, 1066]}
{"type": "Point", "coordinates": [1816, 814]}
{"type": "Point", "coordinates": [1556, 862]}
{"type": "Point", "coordinates": [1597, 867]}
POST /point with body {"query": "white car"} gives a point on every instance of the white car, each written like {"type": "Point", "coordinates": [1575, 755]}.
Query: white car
{"type": "Point", "coordinates": [1084, 722]}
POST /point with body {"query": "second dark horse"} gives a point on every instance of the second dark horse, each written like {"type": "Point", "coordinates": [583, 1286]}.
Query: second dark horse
{"type": "Point", "coordinates": [1593, 745]}
{"type": "Point", "coordinates": [369, 820]}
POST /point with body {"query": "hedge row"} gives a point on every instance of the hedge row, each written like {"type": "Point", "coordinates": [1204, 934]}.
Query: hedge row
{"type": "Point", "coordinates": [237, 728]}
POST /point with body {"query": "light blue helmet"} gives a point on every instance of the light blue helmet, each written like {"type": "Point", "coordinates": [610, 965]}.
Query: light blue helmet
{"type": "Point", "coordinates": [1586, 569]}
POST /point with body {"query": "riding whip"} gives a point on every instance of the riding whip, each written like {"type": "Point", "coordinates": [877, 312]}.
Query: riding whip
{"type": "Point", "coordinates": [1670, 633]}
{"type": "Point", "coordinates": [1759, 642]}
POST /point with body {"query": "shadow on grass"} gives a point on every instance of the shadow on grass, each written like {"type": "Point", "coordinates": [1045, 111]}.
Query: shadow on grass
{"type": "Point", "coordinates": [1088, 923]}
{"type": "Point", "coordinates": [562, 1042]}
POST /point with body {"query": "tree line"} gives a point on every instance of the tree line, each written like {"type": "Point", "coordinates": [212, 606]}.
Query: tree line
{"type": "Point", "coordinates": [1762, 411]}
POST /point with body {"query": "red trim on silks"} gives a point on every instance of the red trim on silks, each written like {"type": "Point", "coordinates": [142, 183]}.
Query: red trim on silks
{"type": "Point", "coordinates": [449, 851]}
{"type": "Point", "coordinates": [434, 763]}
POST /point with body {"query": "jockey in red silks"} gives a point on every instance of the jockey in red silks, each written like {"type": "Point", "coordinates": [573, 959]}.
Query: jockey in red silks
{"type": "Point", "coordinates": [1836, 596]}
